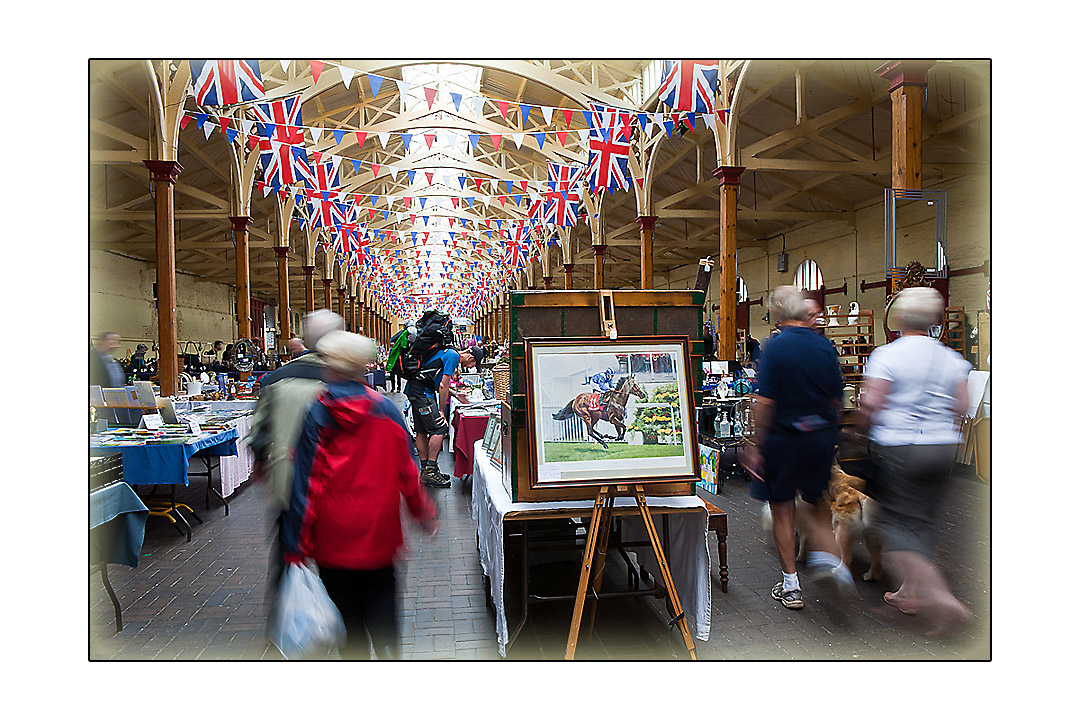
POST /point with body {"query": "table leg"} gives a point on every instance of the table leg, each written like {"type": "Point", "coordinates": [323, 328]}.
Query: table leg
{"type": "Point", "coordinates": [112, 594]}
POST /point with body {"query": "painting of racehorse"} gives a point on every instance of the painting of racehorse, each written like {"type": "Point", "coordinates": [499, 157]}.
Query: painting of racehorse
{"type": "Point", "coordinates": [609, 411]}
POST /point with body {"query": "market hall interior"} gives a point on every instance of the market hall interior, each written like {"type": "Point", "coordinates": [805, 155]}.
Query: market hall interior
{"type": "Point", "coordinates": [528, 201]}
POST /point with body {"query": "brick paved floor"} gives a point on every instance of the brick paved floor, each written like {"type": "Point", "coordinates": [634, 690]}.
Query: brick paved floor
{"type": "Point", "coordinates": [207, 599]}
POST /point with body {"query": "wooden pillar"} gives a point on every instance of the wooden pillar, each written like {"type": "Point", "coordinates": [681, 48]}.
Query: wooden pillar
{"type": "Point", "coordinates": [243, 276]}
{"type": "Point", "coordinates": [907, 87]}
{"type": "Point", "coordinates": [341, 301]}
{"type": "Point", "coordinates": [598, 266]}
{"type": "Point", "coordinates": [164, 173]}
{"type": "Point", "coordinates": [309, 288]}
{"type": "Point", "coordinates": [646, 223]}
{"type": "Point", "coordinates": [326, 293]}
{"type": "Point", "coordinates": [727, 299]}
{"type": "Point", "coordinates": [568, 276]}
{"type": "Point", "coordinates": [284, 315]}
{"type": "Point", "coordinates": [548, 282]}
{"type": "Point", "coordinates": [355, 320]}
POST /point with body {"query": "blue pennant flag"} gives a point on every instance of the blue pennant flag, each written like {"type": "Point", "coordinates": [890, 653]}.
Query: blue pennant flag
{"type": "Point", "coordinates": [425, 217]}
{"type": "Point", "coordinates": [470, 200]}
{"type": "Point", "coordinates": [201, 118]}
{"type": "Point", "coordinates": [423, 201]}
{"type": "Point", "coordinates": [606, 134]}
{"type": "Point", "coordinates": [517, 200]}
{"type": "Point", "coordinates": [669, 125]}
{"type": "Point", "coordinates": [498, 223]}
{"type": "Point", "coordinates": [267, 129]}
{"type": "Point", "coordinates": [376, 83]}
{"type": "Point", "coordinates": [642, 118]}
{"type": "Point", "coordinates": [461, 181]}
{"type": "Point", "coordinates": [473, 139]}
{"type": "Point", "coordinates": [231, 134]}
{"type": "Point", "coordinates": [690, 119]}
{"type": "Point", "coordinates": [385, 214]}
{"type": "Point", "coordinates": [406, 138]}
{"type": "Point", "coordinates": [357, 165]}
{"type": "Point", "coordinates": [339, 135]}
{"type": "Point", "coordinates": [524, 113]}
{"type": "Point", "coordinates": [540, 137]}
{"type": "Point", "coordinates": [374, 199]}
{"type": "Point", "coordinates": [456, 97]}
{"type": "Point", "coordinates": [411, 174]}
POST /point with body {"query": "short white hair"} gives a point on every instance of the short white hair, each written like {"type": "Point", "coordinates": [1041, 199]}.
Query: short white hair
{"type": "Point", "coordinates": [346, 353]}
{"type": "Point", "coordinates": [917, 308]}
{"type": "Point", "coordinates": [319, 323]}
{"type": "Point", "coordinates": [786, 304]}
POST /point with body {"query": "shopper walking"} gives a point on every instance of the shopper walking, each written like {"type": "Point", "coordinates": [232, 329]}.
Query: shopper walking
{"type": "Point", "coordinates": [795, 416]}
{"type": "Point", "coordinates": [915, 389]}
{"type": "Point", "coordinates": [284, 397]}
{"type": "Point", "coordinates": [354, 463]}
{"type": "Point", "coordinates": [429, 397]}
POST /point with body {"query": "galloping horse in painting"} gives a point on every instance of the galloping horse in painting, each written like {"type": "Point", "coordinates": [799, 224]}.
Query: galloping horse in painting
{"type": "Point", "coordinates": [610, 408]}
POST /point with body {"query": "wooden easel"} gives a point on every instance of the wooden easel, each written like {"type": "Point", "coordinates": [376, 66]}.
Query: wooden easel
{"type": "Point", "coordinates": [592, 573]}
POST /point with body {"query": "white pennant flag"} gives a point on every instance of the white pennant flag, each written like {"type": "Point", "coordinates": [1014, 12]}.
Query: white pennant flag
{"type": "Point", "coordinates": [547, 113]}
{"type": "Point", "coordinates": [518, 137]}
{"type": "Point", "coordinates": [478, 107]}
{"type": "Point", "coordinates": [383, 138]}
{"type": "Point", "coordinates": [400, 216]}
{"type": "Point", "coordinates": [659, 118]}
{"type": "Point", "coordinates": [583, 135]}
{"type": "Point", "coordinates": [346, 74]}
{"type": "Point", "coordinates": [485, 199]}
{"type": "Point", "coordinates": [208, 127]}
{"type": "Point", "coordinates": [710, 120]}
{"type": "Point", "coordinates": [316, 133]}
{"type": "Point", "coordinates": [393, 171]}
{"type": "Point", "coordinates": [403, 87]}
{"type": "Point", "coordinates": [246, 125]}
{"type": "Point", "coordinates": [285, 65]}
{"type": "Point", "coordinates": [389, 201]}
{"type": "Point", "coordinates": [494, 186]}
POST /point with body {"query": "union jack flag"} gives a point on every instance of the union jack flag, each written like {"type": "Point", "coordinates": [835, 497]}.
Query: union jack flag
{"type": "Point", "coordinates": [324, 178]}
{"type": "Point", "coordinates": [284, 164]}
{"type": "Point", "coordinates": [285, 118]}
{"type": "Point", "coordinates": [226, 82]}
{"type": "Point", "coordinates": [562, 197]}
{"type": "Point", "coordinates": [609, 151]}
{"type": "Point", "coordinates": [327, 213]}
{"type": "Point", "coordinates": [690, 85]}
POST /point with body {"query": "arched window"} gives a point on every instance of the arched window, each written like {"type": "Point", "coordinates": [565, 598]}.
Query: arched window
{"type": "Point", "coordinates": [808, 275]}
{"type": "Point", "coordinates": [740, 290]}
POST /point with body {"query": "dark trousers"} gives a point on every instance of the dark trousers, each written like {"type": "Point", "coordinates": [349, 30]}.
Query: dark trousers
{"type": "Point", "coordinates": [367, 601]}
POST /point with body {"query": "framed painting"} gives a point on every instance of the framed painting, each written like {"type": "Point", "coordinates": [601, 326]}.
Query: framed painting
{"type": "Point", "coordinates": [610, 411]}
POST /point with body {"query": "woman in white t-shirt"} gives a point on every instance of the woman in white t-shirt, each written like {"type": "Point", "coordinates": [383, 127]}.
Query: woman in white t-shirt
{"type": "Point", "coordinates": [914, 390]}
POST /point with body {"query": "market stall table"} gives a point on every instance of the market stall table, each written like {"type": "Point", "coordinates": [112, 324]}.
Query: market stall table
{"type": "Point", "coordinates": [117, 524]}
{"type": "Point", "coordinates": [468, 428]}
{"type": "Point", "coordinates": [166, 464]}
{"type": "Point", "coordinates": [684, 517]}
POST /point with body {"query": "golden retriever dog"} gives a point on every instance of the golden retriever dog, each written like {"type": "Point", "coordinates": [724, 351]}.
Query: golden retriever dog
{"type": "Point", "coordinates": [852, 513]}
{"type": "Point", "coordinates": [852, 516]}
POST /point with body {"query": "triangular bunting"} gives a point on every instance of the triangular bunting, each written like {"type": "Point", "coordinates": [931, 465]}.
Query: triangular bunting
{"type": "Point", "coordinates": [567, 113]}
{"type": "Point", "coordinates": [346, 74]}
{"type": "Point", "coordinates": [430, 93]}
{"type": "Point", "coordinates": [316, 68]}
{"type": "Point", "coordinates": [496, 139]}
{"type": "Point", "coordinates": [376, 82]}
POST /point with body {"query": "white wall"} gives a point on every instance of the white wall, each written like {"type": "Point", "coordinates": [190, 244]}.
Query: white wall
{"type": "Point", "coordinates": [122, 300]}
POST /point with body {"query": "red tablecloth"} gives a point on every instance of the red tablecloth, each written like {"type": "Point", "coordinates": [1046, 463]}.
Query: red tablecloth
{"type": "Point", "coordinates": [467, 430]}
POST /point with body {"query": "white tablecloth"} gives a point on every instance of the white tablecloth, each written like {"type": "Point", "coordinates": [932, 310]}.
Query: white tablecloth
{"type": "Point", "coordinates": [236, 469]}
{"type": "Point", "coordinates": [688, 555]}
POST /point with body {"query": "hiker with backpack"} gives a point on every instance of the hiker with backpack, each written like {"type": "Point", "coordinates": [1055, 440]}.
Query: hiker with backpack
{"type": "Point", "coordinates": [425, 357]}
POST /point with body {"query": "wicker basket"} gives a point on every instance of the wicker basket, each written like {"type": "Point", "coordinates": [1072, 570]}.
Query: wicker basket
{"type": "Point", "coordinates": [501, 374]}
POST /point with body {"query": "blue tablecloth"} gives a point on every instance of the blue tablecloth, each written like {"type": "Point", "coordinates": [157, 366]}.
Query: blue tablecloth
{"type": "Point", "coordinates": [117, 523]}
{"type": "Point", "coordinates": [168, 464]}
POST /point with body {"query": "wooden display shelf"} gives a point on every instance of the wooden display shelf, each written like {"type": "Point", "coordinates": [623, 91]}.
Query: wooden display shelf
{"type": "Point", "coordinates": [852, 353]}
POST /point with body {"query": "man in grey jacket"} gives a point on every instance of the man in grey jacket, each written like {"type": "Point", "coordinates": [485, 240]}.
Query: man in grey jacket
{"type": "Point", "coordinates": [284, 397]}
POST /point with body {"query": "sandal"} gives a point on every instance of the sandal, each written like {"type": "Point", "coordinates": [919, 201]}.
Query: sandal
{"type": "Point", "coordinates": [890, 599]}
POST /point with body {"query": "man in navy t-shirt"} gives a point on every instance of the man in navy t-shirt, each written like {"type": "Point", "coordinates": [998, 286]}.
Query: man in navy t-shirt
{"type": "Point", "coordinates": [428, 396]}
{"type": "Point", "coordinates": [795, 417]}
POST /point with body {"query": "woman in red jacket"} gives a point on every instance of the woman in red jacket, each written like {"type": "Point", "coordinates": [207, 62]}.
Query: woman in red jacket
{"type": "Point", "coordinates": [354, 462]}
